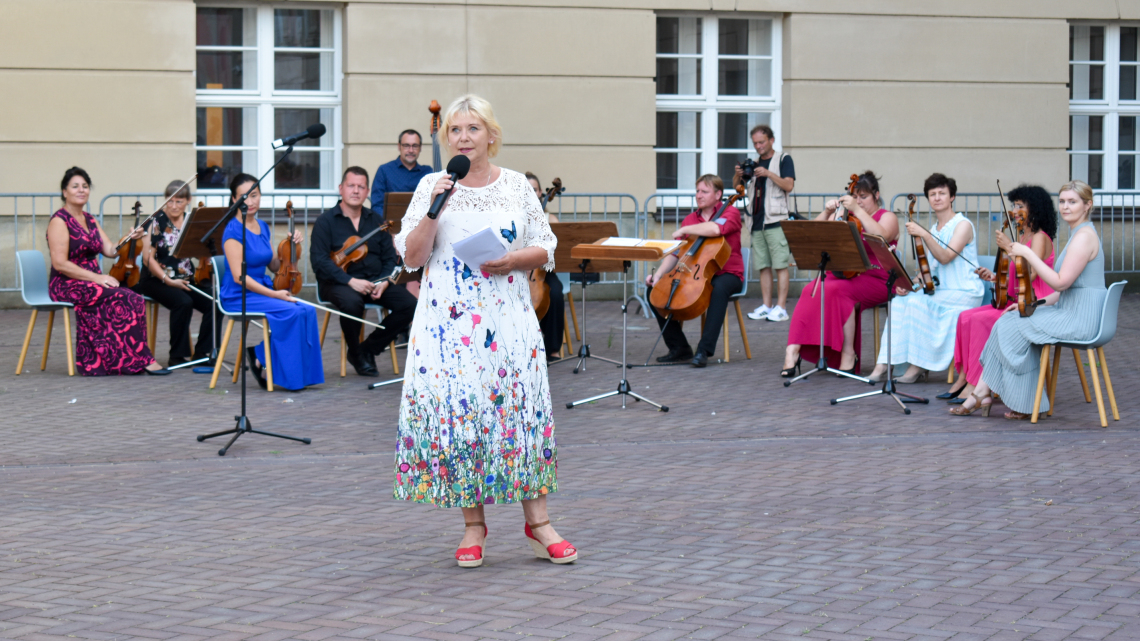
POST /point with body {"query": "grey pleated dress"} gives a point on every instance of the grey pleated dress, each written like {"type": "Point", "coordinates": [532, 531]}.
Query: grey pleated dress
{"type": "Point", "coordinates": [1011, 360]}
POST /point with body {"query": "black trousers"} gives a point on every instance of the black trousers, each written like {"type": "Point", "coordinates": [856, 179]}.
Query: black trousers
{"type": "Point", "coordinates": [723, 286]}
{"type": "Point", "coordinates": [553, 324]}
{"type": "Point", "coordinates": [400, 304]}
{"type": "Point", "coordinates": [182, 305]}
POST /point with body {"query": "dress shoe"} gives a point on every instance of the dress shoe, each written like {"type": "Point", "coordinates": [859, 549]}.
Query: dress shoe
{"type": "Point", "coordinates": [676, 356]}
{"type": "Point", "coordinates": [946, 396]}
{"type": "Point", "coordinates": [700, 359]}
{"type": "Point", "coordinates": [364, 362]}
{"type": "Point", "coordinates": [256, 368]}
{"type": "Point", "coordinates": [157, 372]}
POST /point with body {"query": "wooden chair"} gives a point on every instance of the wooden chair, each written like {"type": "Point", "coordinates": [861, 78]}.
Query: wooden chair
{"type": "Point", "coordinates": [1095, 349]}
{"type": "Point", "coordinates": [219, 267]}
{"type": "Point", "coordinates": [34, 290]}
{"type": "Point", "coordinates": [150, 307]}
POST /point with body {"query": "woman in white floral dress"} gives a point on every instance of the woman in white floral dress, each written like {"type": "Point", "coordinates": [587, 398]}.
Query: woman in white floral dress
{"type": "Point", "coordinates": [475, 420]}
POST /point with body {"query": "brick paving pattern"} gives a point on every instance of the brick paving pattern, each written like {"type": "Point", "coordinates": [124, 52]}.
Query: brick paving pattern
{"type": "Point", "coordinates": [747, 511]}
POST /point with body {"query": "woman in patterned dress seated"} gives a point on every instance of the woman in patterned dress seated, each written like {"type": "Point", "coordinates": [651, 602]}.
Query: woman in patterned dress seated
{"type": "Point", "coordinates": [110, 320]}
{"type": "Point", "coordinates": [475, 425]}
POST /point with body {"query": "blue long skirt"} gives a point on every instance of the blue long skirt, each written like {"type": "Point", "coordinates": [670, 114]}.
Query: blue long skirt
{"type": "Point", "coordinates": [295, 339]}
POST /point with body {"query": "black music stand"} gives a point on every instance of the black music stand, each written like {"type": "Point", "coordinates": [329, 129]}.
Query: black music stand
{"type": "Point", "coordinates": [836, 244]}
{"type": "Point", "coordinates": [194, 244]}
{"type": "Point", "coordinates": [895, 271]}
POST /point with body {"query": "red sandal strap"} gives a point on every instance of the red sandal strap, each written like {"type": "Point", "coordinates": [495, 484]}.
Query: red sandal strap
{"type": "Point", "coordinates": [475, 551]}
{"type": "Point", "coordinates": [561, 550]}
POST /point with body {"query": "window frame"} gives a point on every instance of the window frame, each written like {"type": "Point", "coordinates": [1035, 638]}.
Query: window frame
{"type": "Point", "coordinates": [1112, 108]}
{"type": "Point", "coordinates": [266, 99]}
{"type": "Point", "coordinates": [708, 103]}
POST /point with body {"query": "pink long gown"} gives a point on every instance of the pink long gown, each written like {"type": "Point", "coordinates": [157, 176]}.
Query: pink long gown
{"type": "Point", "coordinates": [975, 325]}
{"type": "Point", "coordinates": [866, 290]}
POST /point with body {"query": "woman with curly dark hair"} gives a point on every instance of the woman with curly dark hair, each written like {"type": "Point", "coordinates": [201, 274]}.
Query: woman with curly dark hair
{"type": "Point", "coordinates": [1032, 209]}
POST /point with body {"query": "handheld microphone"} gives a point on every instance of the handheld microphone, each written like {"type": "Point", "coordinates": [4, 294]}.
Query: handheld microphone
{"type": "Point", "coordinates": [457, 169]}
{"type": "Point", "coordinates": [314, 131]}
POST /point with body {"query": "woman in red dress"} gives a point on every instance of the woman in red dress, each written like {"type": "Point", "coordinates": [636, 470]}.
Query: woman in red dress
{"type": "Point", "coordinates": [110, 321]}
{"type": "Point", "coordinates": [868, 289]}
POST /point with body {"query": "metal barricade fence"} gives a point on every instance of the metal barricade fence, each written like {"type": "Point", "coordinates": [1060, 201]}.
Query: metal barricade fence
{"type": "Point", "coordinates": [619, 208]}
{"type": "Point", "coordinates": [117, 216]}
{"type": "Point", "coordinates": [23, 225]}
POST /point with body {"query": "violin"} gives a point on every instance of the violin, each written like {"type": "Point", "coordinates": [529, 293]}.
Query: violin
{"type": "Point", "coordinates": [539, 289]}
{"type": "Point", "coordinates": [288, 277]}
{"type": "Point", "coordinates": [844, 214]}
{"type": "Point", "coordinates": [126, 268]}
{"type": "Point", "coordinates": [355, 247]}
{"type": "Point", "coordinates": [920, 251]}
{"type": "Point", "coordinates": [1001, 275]}
{"type": "Point", "coordinates": [1026, 299]}
{"type": "Point", "coordinates": [701, 257]}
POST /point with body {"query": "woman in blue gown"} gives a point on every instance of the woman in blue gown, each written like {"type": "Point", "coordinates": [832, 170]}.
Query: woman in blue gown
{"type": "Point", "coordinates": [295, 339]}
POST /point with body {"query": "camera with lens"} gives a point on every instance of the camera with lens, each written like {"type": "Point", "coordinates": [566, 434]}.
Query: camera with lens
{"type": "Point", "coordinates": [748, 168]}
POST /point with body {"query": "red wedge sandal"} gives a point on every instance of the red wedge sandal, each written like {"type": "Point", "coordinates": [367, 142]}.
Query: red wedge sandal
{"type": "Point", "coordinates": [475, 550]}
{"type": "Point", "coordinates": [561, 552]}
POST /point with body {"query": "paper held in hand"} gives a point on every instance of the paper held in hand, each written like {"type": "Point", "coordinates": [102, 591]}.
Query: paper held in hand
{"type": "Point", "coordinates": [666, 246]}
{"type": "Point", "coordinates": [478, 248]}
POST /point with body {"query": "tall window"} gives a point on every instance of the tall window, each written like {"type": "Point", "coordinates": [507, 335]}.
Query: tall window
{"type": "Point", "coordinates": [1103, 105]}
{"type": "Point", "coordinates": [266, 72]}
{"type": "Point", "coordinates": [717, 77]}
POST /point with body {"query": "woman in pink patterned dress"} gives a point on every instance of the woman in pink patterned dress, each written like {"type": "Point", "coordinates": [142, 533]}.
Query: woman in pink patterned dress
{"type": "Point", "coordinates": [110, 321]}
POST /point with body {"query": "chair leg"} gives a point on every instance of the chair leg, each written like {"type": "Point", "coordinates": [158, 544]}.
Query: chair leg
{"type": "Point", "coordinates": [151, 314]}
{"type": "Point", "coordinates": [875, 314]}
{"type": "Point", "coordinates": [325, 328]}
{"type": "Point", "coordinates": [743, 332]}
{"type": "Point", "coordinates": [27, 341]}
{"type": "Point", "coordinates": [222, 353]}
{"type": "Point", "coordinates": [343, 356]}
{"type": "Point", "coordinates": [949, 374]}
{"type": "Point", "coordinates": [1044, 366]}
{"type": "Point", "coordinates": [1108, 384]}
{"type": "Point", "coordinates": [267, 334]}
{"type": "Point", "coordinates": [1081, 373]}
{"type": "Point", "coordinates": [47, 340]}
{"type": "Point", "coordinates": [725, 323]}
{"type": "Point", "coordinates": [67, 342]}
{"type": "Point", "coordinates": [1054, 373]}
{"type": "Point", "coordinates": [1096, 388]}
{"type": "Point", "coordinates": [574, 317]}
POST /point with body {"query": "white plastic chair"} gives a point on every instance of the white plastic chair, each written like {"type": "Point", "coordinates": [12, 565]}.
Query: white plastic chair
{"type": "Point", "coordinates": [34, 290]}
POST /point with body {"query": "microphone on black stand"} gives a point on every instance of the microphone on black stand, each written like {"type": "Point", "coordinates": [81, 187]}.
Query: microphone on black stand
{"type": "Point", "coordinates": [314, 132]}
{"type": "Point", "coordinates": [457, 169]}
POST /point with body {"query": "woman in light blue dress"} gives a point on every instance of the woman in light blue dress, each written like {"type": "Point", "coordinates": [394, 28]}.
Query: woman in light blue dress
{"type": "Point", "coordinates": [923, 327]}
{"type": "Point", "coordinates": [1011, 360]}
{"type": "Point", "coordinates": [294, 336]}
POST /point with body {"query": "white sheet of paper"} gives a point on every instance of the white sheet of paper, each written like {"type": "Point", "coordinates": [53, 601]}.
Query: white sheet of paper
{"type": "Point", "coordinates": [478, 248]}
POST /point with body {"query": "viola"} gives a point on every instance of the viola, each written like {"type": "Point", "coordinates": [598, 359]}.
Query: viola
{"type": "Point", "coordinates": [701, 257]}
{"type": "Point", "coordinates": [844, 214]}
{"type": "Point", "coordinates": [288, 277]}
{"type": "Point", "coordinates": [1026, 299]}
{"type": "Point", "coordinates": [539, 289]}
{"type": "Point", "coordinates": [920, 251]}
{"type": "Point", "coordinates": [126, 268]}
{"type": "Point", "coordinates": [355, 248]}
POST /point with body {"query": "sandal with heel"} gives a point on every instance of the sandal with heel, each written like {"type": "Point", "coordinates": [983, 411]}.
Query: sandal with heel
{"type": "Point", "coordinates": [475, 550]}
{"type": "Point", "coordinates": [962, 410]}
{"type": "Point", "coordinates": [561, 552]}
{"type": "Point", "coordinates": [791, 371]}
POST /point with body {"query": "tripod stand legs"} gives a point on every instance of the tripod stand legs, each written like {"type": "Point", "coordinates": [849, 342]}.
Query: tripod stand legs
{"type": "Point", "coordinates": [244, 426]}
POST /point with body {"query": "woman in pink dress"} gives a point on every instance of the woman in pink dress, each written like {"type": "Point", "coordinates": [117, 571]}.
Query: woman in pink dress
{"type": "Point", "coordinates": [843, 295]}
{"type": "Point", "coordinates": [1032, 208]}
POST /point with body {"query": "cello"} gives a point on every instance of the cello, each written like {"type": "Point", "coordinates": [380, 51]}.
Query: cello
{"type": "Point", "coordinates": [700, 258]}
{"type": "Point", "coordinates": [920, 251]}
{"type": "Point", "coordinates": [539, 289]}
{"type": "Point", "coordinates": [126, 268]}
{"type": "Point", "coordinates": [1026, 300]}
{"type": "Point", "coordinates": [288, 278]}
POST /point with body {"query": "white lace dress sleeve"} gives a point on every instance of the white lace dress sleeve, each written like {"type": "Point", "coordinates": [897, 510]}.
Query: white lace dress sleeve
{"type": "Point", "coordinates": [417, 209]}
{"type": "Point", "coordinates": [537, 233]}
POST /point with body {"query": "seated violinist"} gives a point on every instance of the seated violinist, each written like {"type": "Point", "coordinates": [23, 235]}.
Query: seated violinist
{"type": "Point", "coordinates": [709, 221]}
{"type": "Point", "coordinates": [361, 281]}
{"type": "Point", "coordinates": [552, 324]}
{"type": "Point", "coordinates": [923, 327]}
{"type": "Point", "coordinates": [1032, 209]}
{"type": "Point", "coordinates": [167, 280]}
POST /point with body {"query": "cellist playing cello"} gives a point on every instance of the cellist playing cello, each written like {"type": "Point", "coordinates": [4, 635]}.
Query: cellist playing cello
{"type": "Point", "coordinates": [710, 222]}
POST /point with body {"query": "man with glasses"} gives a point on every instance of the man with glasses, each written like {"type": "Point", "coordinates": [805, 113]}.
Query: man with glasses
{"type": "Point", "coordinates": [403, 173]}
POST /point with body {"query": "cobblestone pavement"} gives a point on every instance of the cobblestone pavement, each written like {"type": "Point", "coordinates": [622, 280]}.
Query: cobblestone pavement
{"type": "Point", "coordinates": [747, 511]}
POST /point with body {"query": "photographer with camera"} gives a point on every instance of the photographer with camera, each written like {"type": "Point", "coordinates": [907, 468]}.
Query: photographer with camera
{"type": "Point", "coordinates": [766, 206]}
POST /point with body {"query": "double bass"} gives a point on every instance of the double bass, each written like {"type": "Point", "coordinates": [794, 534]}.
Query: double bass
{"type": "Point", "coordinates": [539, 289]}
{"type": "Point", "coordinates": [288, 277]}
{"type": "Point", "coordinates": [126, 268]}
{"type": "Point", "coordinates": [690, 288]}
{"type": "Point", "coordinates": [920, 251]}
{"type": "Point", "coordinates": [1026, 299]}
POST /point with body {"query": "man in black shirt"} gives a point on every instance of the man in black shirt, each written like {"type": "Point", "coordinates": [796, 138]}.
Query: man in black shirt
{"type": "Point", "coordinates": [349, 289]}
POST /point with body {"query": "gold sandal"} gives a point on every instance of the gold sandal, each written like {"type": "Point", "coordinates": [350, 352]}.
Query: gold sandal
{"type": "Point", "coordinates": [962, 410]}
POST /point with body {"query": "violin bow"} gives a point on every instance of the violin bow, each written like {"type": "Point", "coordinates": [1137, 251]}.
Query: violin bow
{"type": "Point", "coordinates": [946, 245]}
{"type": "Point", "coordinates": [301, 300]}
{"type": "Point", "coordinates": [151, 217]}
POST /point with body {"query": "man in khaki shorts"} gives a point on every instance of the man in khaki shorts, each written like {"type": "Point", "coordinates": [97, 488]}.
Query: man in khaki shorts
{"type": "Point", "coordinates": [766, 208]}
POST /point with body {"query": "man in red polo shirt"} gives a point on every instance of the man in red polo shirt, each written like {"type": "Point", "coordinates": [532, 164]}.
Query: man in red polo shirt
{"type": "Point", "coordinates": [707, 221]}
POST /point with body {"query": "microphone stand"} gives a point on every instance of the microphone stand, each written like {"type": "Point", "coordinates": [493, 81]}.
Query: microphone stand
{"type": "Point", "coordinates": [243, 425]}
